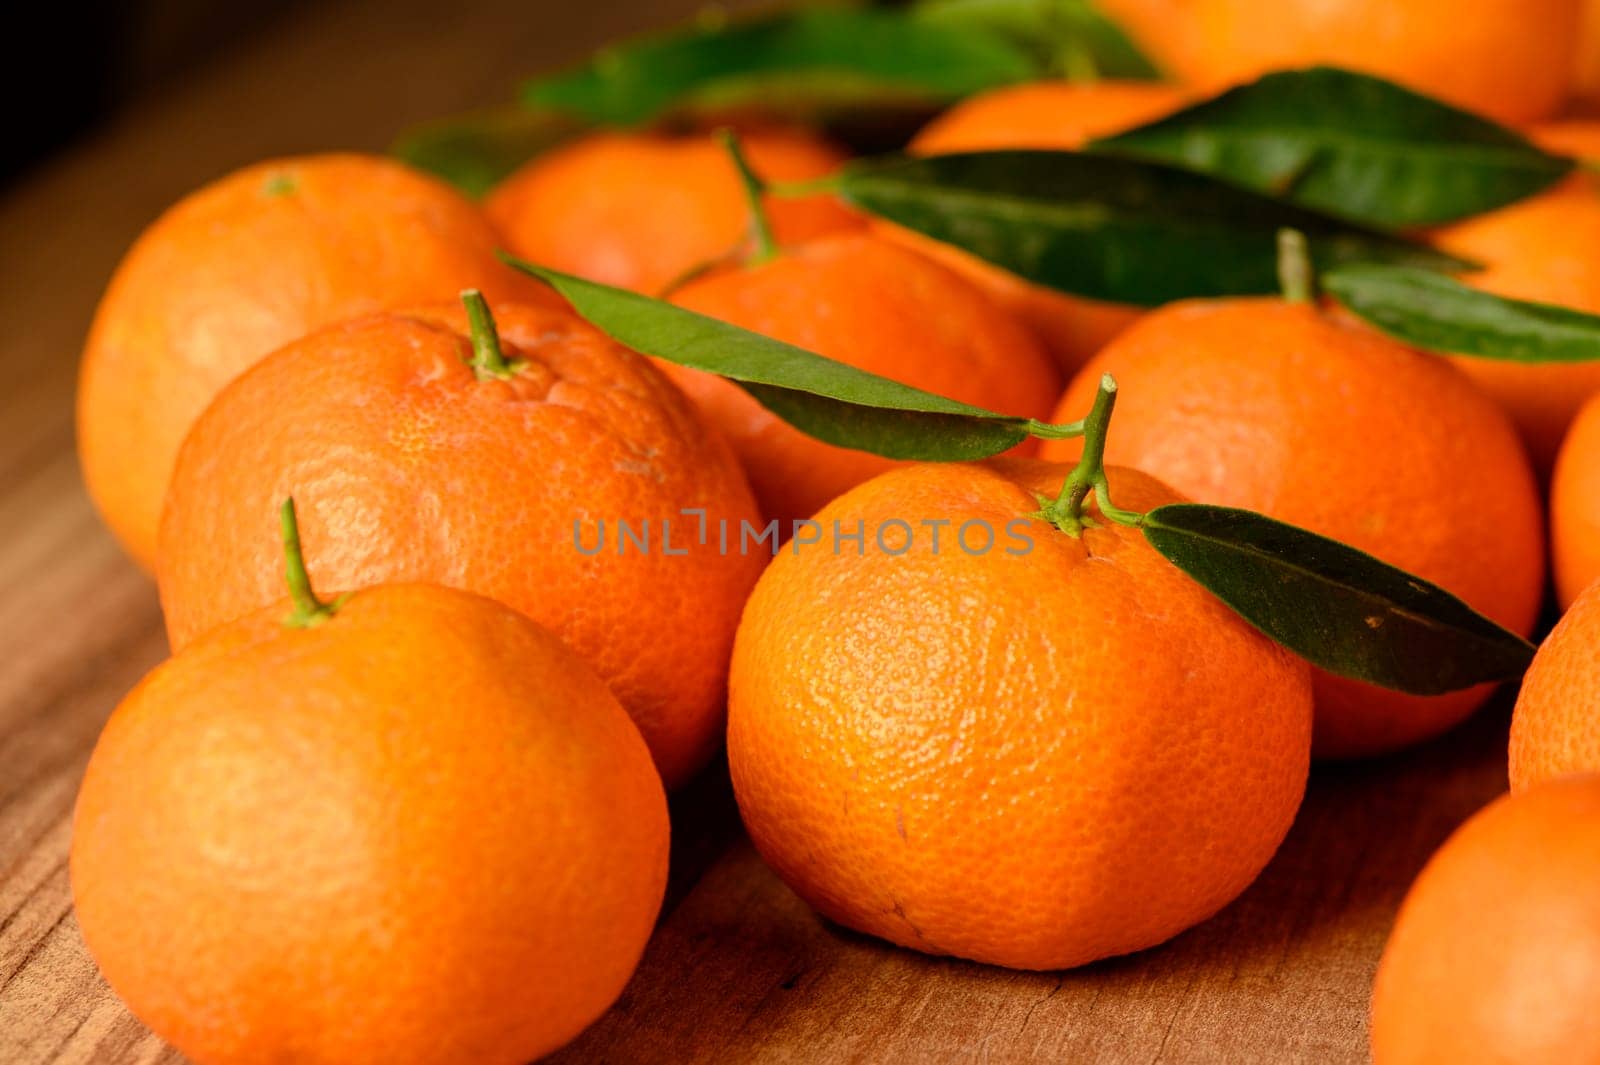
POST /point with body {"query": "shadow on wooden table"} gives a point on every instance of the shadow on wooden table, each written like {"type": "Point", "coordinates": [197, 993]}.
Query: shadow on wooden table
{"type": "Point", "coordinates": [741, 970]}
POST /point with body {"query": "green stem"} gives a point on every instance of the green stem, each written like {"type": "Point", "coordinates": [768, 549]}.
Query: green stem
{"type": "Point", "coordinates": [1089, 475]}
{"type": "Point", "coordinates": [308, 609]}
{"type": "Point", "coordinates": [488, 361]}
{"type": "Point", "coordinates": [1296, 279]}
{"type": "Point", "coordinates": [1052, 431]}
{"type": "Point", "coordinates": [1077, 62]}
{"type": "Point", "coordinates": [789, 190]}
{"type": "Point", "coordinates": [754, 189]}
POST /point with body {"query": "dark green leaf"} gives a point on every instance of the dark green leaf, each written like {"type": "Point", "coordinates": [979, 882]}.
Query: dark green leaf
{"type": "Point", "coordinates": [829, 400]}
{"type": "Point", "coordinates": [1352, 145]}
{"type": "Point", "coordinates": [1058, 33]}
{"type": "Point", "coordinates": [1340, 608]}
{"type": "Point", "coordinates": [1110, 228]}
{"type": "Point", "coordinates": [862, 50]}
{"type": "Point", "coordinates": [1429, 310]}
{"type": "Point", "coordinates": [474, 152]}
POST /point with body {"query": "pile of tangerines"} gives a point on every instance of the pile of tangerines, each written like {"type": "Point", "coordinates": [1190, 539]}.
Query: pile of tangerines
{"type": "Point", "coordinates": [416, 812]}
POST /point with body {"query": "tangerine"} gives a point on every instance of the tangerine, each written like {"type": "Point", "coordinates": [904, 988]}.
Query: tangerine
{"type": "Point", "coordinates": [1052, 750]}
{"type": "Point", "coordinates": [238, 269]}
{"type": "Point", "coordinates": [502, 481]}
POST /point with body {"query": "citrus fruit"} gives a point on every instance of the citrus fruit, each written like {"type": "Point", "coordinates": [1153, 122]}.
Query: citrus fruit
{"type": "Point", "coordinates": [1495, 958]}
{"type": "Point", "coordinates": [1540, 249]}
{"type": "Point", "coordinates": [1048, 115]}
{"type": "Point", "coordinates": [1586, 77]}
{"type": "Point", "coordinates": [420, 831]}
{"type": "Point", "coordinates": [1577, 137]}
{"type": "Point", "coordinates": [1008, 743]}
{"type": "Point", "coordinates": [878, 306]}
{"type": "Point", "coordinates": [641, 210]}
{"type": "Point", "coordinates": [239, 268]}
{"type": "Point", "coordinates": [512, 484]}
{"type": "Point", "coordinates": [1274, 406]}
{"type": "Point", "coordinates": [1555, 728]}
{"type": "Point", "coordinates": [1575, 507]}
{"type": "Point", "coordinates": [1509, 59]}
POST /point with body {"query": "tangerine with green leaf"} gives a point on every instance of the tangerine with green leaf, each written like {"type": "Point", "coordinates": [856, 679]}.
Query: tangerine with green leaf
{"type": "Point", "coordinates": [1006, 728]}
{"type": "Point", "coordinates": [868, 302]}
{"type": "Point", "coordinates": [1540, 249]}
{"type": "Point", "coordinates": [1280, 407]}
{"type": "Point", "coordinates": [1050, 115]}
{"type": "Point", "coordinates": [238, 269]}
{"type": "Point", "coordinates": [490, 452]}
{"type": "Point", "coordinates": [405, 826]}
{"type": "Point", "coordinates": [875, 305]}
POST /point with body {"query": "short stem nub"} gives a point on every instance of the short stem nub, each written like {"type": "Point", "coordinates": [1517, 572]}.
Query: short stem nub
{"type": "Point", "coordinates": [1296, 279]}
{"type": "Point", "coordinates": [308, 609]}
{"type": "Point", "coordinates": [1089, 475]}
{"type": "Point", "coordinates": [1077, 62]}
{"type": "Point", "coordinates": [766, 245]}
{"type": "Point", "coordinates": [488, 361]}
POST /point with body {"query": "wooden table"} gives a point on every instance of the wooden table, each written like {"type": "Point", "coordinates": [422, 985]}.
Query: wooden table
{"type": "Point", "coordinates": [739, 969]}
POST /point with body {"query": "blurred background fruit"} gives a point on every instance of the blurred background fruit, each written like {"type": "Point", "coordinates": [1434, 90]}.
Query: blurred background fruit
{"type": "Point", "coordinates": [1033, 758]}
{"type": "Point", "coordinates": [1458, 988]}
{"type": "Point", "coordinates": [641, 210]}
{"type": "Point", "coordinates": [239, 268]}
{"type": "Point", "coordinates": [407, 466]}
{"type": "Point", "coordinates": [1280, 407]}
{"type": "Point", "coordinates": [420, 831]}
{"type": "Point", "coordinates": [878, 306]}
{"type": "Point", "coordinates": [1509, 59]}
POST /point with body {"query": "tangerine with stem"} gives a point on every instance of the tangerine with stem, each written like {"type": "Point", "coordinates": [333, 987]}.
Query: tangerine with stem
{"type": "Point", "coordinates": [1274, 405]}
{"type": "Point", "coordinates": [1057, 749]}
{"type": "Point", "coordinates": [500, 453]}
{"type": "Point", "coordinates": [306, 836]}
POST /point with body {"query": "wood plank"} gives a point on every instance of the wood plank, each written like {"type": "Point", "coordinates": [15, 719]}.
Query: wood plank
{"type": "Point", "coordinates": [743, 970]}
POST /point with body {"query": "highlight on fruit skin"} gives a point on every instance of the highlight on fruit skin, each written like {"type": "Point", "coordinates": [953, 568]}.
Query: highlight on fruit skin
{"type": "Point", "coordinates": [1035, 755]}
{"type": "Point", "coordinates": [405, 825]}
{"type": "Point", "coordinates": [1495, 956]}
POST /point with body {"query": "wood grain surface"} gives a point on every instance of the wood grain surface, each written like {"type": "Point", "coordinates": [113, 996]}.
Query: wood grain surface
{"type": "Point", "coordinates": [739, 970]}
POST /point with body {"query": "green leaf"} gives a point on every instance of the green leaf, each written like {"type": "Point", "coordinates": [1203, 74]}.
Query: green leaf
{"type": "Point", "coordinates": [1429, 310]}
{"type": "Point", "coordinates": [475, 151]}
{"type": "Point", "coordinates": [866, 50]}
{"type": "Point", "coordinates": [1111, 228]}
{"type": "Point", "coordinates": [1343, 610]}
{"type": "Point", "coordinates": [1058, 33]}
{"type": "Point", "coordinates": [829, 400]}
{"type": "Point", "coordinates": [1352, 145]}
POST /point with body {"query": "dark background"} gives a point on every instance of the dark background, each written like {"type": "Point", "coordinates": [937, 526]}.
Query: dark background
{"type": "Point", "coordinates": [68, 65]}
